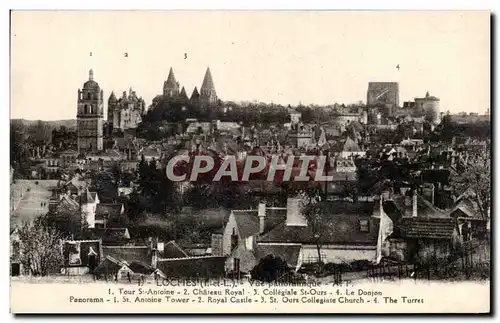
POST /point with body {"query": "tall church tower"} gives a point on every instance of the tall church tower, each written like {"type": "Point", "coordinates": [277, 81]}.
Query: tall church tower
{"type": "Point", "coordinates": [89, 116]}
{"type": "Point", "coordinates": [207, 91]}
{"type": "Point", "coordinates": [171, 86]}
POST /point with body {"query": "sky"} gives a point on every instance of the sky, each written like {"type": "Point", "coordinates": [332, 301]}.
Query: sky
{"type": "Point", "coordinates": [283, 57]}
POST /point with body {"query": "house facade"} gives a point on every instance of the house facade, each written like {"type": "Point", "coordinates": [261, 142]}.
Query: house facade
{"type": "Point", "coordinates": [349, 234]}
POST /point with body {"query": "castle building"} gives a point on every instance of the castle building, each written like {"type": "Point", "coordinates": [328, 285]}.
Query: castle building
{"type": "Point", "coordinates": [207, 91]}
{"type": "Point", "coordinates": [428, 103]}
{"type": "Point", "coordinates": [171, 86]}
{"type": "Point", "coordinates": [90, 117]}
{"type": "Point", "coordinates": [383, 93]}
{"type": "Point", "coordinates": [126, 112]}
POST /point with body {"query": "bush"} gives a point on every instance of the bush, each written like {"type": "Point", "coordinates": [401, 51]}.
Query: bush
{"type": "Point", "coordinates": [269, 269]}
{"type": "Point", "coordinates": [36, 182]}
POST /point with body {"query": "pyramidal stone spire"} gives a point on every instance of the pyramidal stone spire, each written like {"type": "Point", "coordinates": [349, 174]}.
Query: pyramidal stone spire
{"type": "Point", "coordinates": [208, 83]}
{"type": "Point", "coordinates": [195, 95]}
{"type": "Point", "coordinates": [112, 97]}
{"type": "Point", "coordinates": [183, 94]}
{"type": "Point", "coordinates": [171, 86]}
{"type": "Point", "coordinates": [207, 90]}
{"type": "Point", "coordinates": [171, 78]}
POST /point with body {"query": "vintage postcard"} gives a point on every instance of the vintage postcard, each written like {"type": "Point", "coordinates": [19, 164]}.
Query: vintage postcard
{"type": "Point", "coordinates": [250, 162]}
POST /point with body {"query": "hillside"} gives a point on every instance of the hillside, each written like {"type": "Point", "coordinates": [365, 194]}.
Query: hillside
{"type": "Point", "coordinates": [54, 124]}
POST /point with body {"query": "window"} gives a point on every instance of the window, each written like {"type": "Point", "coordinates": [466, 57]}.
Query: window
{"type": "Point", "coordinates": [234, 240]}
{"type": "Point", "coordinates": [364, 226]}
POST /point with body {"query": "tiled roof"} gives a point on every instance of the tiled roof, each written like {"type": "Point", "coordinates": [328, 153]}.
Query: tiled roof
{"type": "Point", "coordinates": [111, 210]}
{"type": "Point", "coordinates": [68, 202]}
{"type": "Point", "coordinates": [247, 222]}
{"type": "Point", "coordinates": [172, 250]}
{"type": "Point", "coordinates": [338, 229]}
{"type": "Point", "coordinates": [139, 267]}
{"type": "Point", "coordinates": [109, 265]}
{"type": "Point", "coordinates": [431, 228]}
{"type": "Point", "coordinates": [273, 218]}
{"type": "Point", "coordinates": [424, 207]}
{"type": "Point", "coordinates": [128, 253]}
{"type": "Point", "coordinates": [463, 210]}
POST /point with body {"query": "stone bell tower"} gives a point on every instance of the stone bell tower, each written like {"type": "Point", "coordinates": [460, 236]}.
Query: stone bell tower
{"type": "Point", "coordinates": [90, 117]}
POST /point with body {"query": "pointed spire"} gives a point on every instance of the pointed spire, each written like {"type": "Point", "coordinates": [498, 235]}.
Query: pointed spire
{"type": "Point", "coordinates": [195, 94]}
{"type": "Point", "coordinates": [91, 75]}
{"type": "Point", "coordinates": [171, 82]}
{"type": "Point", "coordinates": [208, 83]}
{"type": "Point", "coordinates": [183, 94]}
{"type": "Point", "coordinates": [112, 97]}
{"type": "Point", "coordinates": [427, 94]}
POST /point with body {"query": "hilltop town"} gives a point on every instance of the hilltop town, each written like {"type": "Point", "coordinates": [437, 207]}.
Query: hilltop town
{"type": "Point", "coordinates": [409, 194]}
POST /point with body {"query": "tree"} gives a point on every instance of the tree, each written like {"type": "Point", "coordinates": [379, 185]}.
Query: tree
{"type": "Point", "coordinates": [19, 154]}
{"type": "Point", "coordinates": [106, 184]}
{"type": "Point", "coordinates": [474, 180]}
{"type": "Point", "coordinates": [41, 133]}
{"type": "Point", "coordinates": [40, 248]}
{"type": "Point", "coordinates": [66, 219]}
{"type": "Point", "coordinates": [317, 220]}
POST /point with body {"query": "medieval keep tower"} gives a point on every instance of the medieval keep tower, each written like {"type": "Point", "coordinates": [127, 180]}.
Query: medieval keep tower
{"type": "Point", "coordinates": [89, 116]}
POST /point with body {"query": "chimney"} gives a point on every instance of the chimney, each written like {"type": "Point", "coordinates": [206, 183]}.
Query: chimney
{"type": "Point", "coordinates": [262, 217]}
{"type": "Point", "coordinates": [414, 205]}
{"type": "Point", "coordinates": [216, 244]}
{"type": "Point", "coordinates": [294, 217]}
{"type": "Point", "coordinates": [154, 258]}
{"type": "Point", "coordinates": [408, 205]}
{"type": "Point", "coordinates": [160, 247]}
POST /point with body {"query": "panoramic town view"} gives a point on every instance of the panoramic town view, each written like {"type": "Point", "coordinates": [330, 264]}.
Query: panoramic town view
{"type": "Point", "coordinates": [407, 189]}
{"type": "Point", "coordinates": [188, 184]}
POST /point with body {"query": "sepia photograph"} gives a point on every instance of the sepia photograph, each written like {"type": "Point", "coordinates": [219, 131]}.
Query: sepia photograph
{"type": "Point", "coordinates": [250, 162]}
